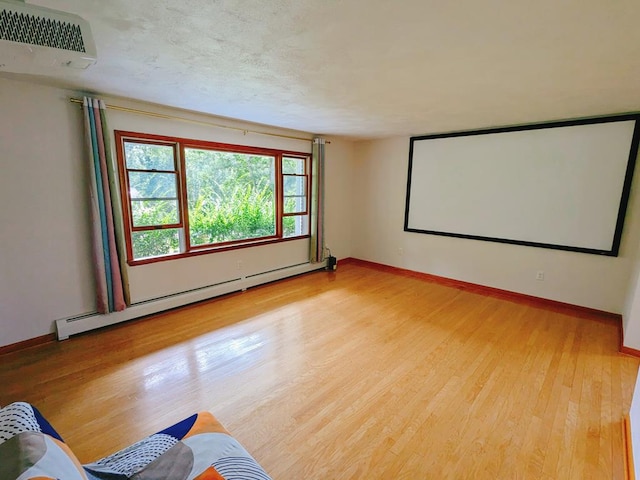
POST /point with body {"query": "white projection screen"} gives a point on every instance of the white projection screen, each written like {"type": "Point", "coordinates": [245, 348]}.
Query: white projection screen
{"type": "Point", "coordinates": [561, 185]}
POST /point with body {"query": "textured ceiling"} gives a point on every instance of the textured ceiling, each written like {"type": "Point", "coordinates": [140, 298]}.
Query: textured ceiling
{"type": "Point", "coordinates": [368, 68]}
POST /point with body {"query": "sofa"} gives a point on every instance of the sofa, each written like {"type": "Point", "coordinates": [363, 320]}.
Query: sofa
{"type": "Point", "coordinates": [197, 448]}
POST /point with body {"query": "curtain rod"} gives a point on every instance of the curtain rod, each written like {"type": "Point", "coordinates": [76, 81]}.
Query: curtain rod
{"type": "Point", "coordinates": [199, 122]}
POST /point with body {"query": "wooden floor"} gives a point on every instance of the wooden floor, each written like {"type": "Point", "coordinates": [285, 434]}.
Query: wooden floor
{"type": "Point", "coordinates": [357, 374]}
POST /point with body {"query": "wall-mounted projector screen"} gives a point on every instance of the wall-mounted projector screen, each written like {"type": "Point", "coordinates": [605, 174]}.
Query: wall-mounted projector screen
{"type": "Point", "coordinates": [561, 185]}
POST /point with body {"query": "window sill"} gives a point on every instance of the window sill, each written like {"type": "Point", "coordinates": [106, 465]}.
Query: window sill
{"type": "Point", "coordinates": [209, 250]}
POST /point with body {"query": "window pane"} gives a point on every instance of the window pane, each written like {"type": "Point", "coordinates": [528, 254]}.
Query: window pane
{"type": "Point", "coordinates": [295, 204]}
{"type": "Point", "coordinates": [152, 185]}
{"type": "Point", "coordinates": [142, 156]}
{"type": "Point", "coordinates": [145, 213]}
{"type": "Point", "coordinates": [294, 185]}
{"type": "Point", "coordinates": [295, 226]}
{"type": "Point", "coordinates": [293, 165]}
{"type": "Point", "coordinates": [154, 243]}
{"type": "Point", "coordinates": [231, 196]}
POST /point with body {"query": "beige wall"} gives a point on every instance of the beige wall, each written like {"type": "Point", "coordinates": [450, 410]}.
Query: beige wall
{"type": "Point", "coordinates": [45, 259]}
{"type": "Point", "coordinates": [631, 319]}
{"type": "Point", "coordinates": [339, 197]}
{"type": "Point", "coordinates": [631, 313]}
{"type": "Point", "coordinates": [45, 269]}
{"type": "Point", "coordinates": [592, 281]}
{"type": "Point", "coordinates": [634, 420]}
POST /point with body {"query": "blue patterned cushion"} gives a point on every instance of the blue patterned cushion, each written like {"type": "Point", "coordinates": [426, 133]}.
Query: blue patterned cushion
{"type": "Point", "coordinates": [31, 448]}
{"type": "Point", "coordinates": [196, 448]}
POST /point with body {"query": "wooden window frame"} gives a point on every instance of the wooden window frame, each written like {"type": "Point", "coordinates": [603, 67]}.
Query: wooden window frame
{"type": "Point", "coordinates": [124, 181]}
{"type": "Point", "coordinates": [179, 145]}
{"type": "Point", "coordinates": [307, 194]}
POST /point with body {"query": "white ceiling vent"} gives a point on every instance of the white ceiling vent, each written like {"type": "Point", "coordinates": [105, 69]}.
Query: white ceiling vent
{"type": "Point", "coordinates": [42, 41]}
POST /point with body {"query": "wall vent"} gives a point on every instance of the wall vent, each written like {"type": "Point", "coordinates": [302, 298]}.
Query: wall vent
{"type": "Point", "coordinates": [43, 41]}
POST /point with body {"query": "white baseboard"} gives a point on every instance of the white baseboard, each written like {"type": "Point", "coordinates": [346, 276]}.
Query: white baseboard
{"type": "Point", "coordinates": [75, 325]}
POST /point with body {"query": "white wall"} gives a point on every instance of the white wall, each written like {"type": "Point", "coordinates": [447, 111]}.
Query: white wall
{"type": "Point", "coordinates": [631, 323]}
{"type": "Point", "coordinates": [634, 420]}
{"type": "Point", "coordinates": [45, 269]}
{"type": "Point", "coordinates": [592, 281]}
{"type": "Point", "coordinates": [631, 314]}
{"type": "Point", "coordinates": [44, 253]}
{"type": "Point", "coordinates": [339, 197]}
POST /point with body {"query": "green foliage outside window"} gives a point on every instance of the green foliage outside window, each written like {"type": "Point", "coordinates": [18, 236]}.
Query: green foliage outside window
{"type": "Point", "coordinates": [230, 196]}
{"type": "Point", "coordinates": [154, 243]}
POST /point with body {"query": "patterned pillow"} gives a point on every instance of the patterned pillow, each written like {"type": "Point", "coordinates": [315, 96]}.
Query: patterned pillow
{"type": "Point", "coordinates": [197, 448]}
{"type": "Point", "coordinates": [30, 448]}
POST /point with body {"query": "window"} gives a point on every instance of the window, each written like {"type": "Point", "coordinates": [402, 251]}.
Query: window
{"type": "Point", "coordinates": [296, 212]}
{"type": "Point", "coordinates": [183, 197]}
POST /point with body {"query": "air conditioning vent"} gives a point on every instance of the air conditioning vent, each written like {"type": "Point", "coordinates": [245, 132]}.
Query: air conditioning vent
{"type": "Point", "coordinates": [18, 27]}
{"type": "Point", "coordinates": [42, 41]}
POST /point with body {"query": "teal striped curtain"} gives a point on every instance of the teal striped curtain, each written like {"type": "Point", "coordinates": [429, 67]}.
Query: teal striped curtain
{"type": "Point", "coordinates": [106, 214]}
{"type": "Point", "coordinates": [316, 221]}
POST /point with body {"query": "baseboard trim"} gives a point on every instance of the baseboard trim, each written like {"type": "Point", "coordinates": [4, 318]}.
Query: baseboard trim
{"type": "Point", "coordinates": [490, 291]}
{"type": "Point", "coordinates": [629, 470]}
{"type": "Point", "coordinates": [72, 326]}
{"type": "Point", "coordinates": [629, 351]}
{"type": "Point", "coordinates": [31, 342]}
{"type": "Point", "coordinates": [347, 261]}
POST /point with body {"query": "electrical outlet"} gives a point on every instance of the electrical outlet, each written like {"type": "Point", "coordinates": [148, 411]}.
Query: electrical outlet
{"type": "Point", "coordinates": [239, 264]}
{"type": "Point", "coordinates": [400, 251]}
{"type": "Point", "coordinates": [540, 275]}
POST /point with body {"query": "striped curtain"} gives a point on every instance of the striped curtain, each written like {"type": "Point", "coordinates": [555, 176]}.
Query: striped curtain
{"type": "Point", "coordinates": [106, 214]}
{"type": "Point", "coordinates": [316, 251]}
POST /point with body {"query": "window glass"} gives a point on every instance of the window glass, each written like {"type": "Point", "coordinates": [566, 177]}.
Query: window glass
{"type": "Point", "coordinates": [144, 156]}
{"type": "Point", "coordinates": [154, 198]}
{"type": "Point", "coordinates": [293, 165]}
{"type": "Point", "coordinates": [295, 185]}
{"type": "Point", "coordinates": [155, 243]}
{"type": "Point", "coordinates": [145, 213]}
{"type": "Point", "coordinates": [231, 196]}
{"type": "Point", "coordinates": [295, 226]}
{"type": "Point", "coordinates": [152, 185]}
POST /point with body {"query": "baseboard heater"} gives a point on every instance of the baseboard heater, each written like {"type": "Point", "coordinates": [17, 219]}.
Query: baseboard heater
{"type": "Point", "coordinates": [74, 325]}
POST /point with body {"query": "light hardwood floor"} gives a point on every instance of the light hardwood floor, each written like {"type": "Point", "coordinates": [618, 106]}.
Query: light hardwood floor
{"type": "Point", "coordinates": [359, 374]}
